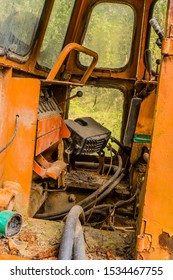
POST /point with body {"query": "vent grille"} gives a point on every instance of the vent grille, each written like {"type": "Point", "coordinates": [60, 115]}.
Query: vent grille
{"type": "Point", "coordinates": [94, 145]}
{"type": "Point", "coordinates": [88, 136]}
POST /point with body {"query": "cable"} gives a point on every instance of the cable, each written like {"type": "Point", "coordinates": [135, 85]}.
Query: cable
{"type": "Point", "coordinates": [110, 148]}
{"type": "Point", "coordinates": [14, 135]}
{"type": "Point", "coordinates": [91, 197]}
{"type": "Point", "coordinates": [113, 206]}
{"type": "Point", "coordinates": [126, 149]}
{"type": "Point", "coordinates": [106, 192]}
{"type": "Point", "coordinates": [111, 161]}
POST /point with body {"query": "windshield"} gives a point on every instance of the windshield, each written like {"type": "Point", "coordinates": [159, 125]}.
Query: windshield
{"type": "Point", "coordinates": [110, 34]}
{"type": "Point", "coordinates": [56, 32]}
{"type": "Point", "coordinates": [18, 24]}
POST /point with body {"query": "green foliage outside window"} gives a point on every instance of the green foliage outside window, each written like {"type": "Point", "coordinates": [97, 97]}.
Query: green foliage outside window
{"type": "Point", "coordinates": [159, 14]}
{"type": "Point", "coordinates": [110, 34]}
{"type": "Point", "coordinates": [55, 33]}
{"type": "Point", "coordinates": [102, 104]}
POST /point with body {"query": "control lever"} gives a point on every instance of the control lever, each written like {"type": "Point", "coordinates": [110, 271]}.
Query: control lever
{"type": "Point", "coordinates": [148, 61]}
{"type": "Point", "coordinates": [158, 62]}
{"type": "Point", "coordinates": [158, 31]}
{"type": "Point", "coordinates": [78, 94]}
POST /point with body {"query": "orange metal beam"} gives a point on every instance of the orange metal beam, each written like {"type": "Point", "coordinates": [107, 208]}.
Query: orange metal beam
{"type": "Point", "coordinates": [156, 228]}
{"type": "Point", "coordinates": [22, 100]}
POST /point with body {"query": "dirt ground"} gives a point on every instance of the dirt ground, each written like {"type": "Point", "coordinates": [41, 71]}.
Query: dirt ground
{"type": "Point", "coordinates": [40, 239]}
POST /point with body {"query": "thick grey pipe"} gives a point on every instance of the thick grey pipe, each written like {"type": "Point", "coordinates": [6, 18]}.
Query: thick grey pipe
{"type": "Point", "coordinates": [79, 243]}
{"type": "Point", "coordinates": [72, 240]}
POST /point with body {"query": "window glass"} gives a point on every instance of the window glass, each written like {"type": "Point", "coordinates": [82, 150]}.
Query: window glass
{"type": "Point", "coordinates": [159, 13]}
{"type": "Point", "coordinates": [105, 105]}
{"type": "Point", "coordinates": [18, 24]}
{"type": "Point", "coordinates": [55, 33]}
{"type": "Point", "coordinates": [109, 33]}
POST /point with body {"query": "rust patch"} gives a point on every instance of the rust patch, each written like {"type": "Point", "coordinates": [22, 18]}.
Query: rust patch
{"type": "Point", "coordinates": [166, 242]}
{"type": "Point", "coordinates": [170, 244]}
{"type": "Point", "coordinates": [6, 198]}
{"type": "Point", "coordinates": [163, 239]}
{"type": "Point", "coordinates": [27, 237]}
{"type": "Point", "coordinates": [50, 254]}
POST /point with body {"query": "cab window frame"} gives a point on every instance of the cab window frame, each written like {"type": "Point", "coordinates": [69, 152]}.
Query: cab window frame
{"type": "Point", "coordinates": [114, 69]}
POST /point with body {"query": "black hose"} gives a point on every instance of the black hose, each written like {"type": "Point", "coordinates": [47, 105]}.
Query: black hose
{"type": "Point", "coordinates": [95, 194]}
{"type": "Point", "coordinates": [72, 241]}
{"type": "Point", "coordinates": [112, 206]}
{"type": "Point", "coordinates": [94, 165]}
{"type": "Point", "coordinates": [13, 136]}
{"type": "Point", "coordinates": [116, 141]}
{"type": "Point", "coordinates": [53, 215]}
{"type": "Point", "coordinates": [99, 208]}
{"type": "Point", "coordinates": [105, 193]}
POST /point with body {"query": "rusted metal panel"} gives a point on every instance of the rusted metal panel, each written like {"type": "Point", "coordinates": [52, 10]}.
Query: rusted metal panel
{"type": "Point", "coordinates": [49, 131]}
{"type": "Point", "coordinates": [47, 125]}
{"type": "Point", "coordinates": [22, 99]}
{"type": "Point", "coordinates": [144, 125]}
{"type": "Point", "coordinates": [64, 132]}
{"type": "Point", "coordinates": [45, 141]}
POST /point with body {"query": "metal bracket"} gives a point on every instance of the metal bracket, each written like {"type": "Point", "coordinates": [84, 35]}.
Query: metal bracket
{"type": "Point", "coordinates": [167, 46]}
{"type": "Point", "coordinates": [144, 242]}
{"type": "Point", "coordinates": [47, 169]}
{"type": "Point", "coordinates": [171, 31]}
